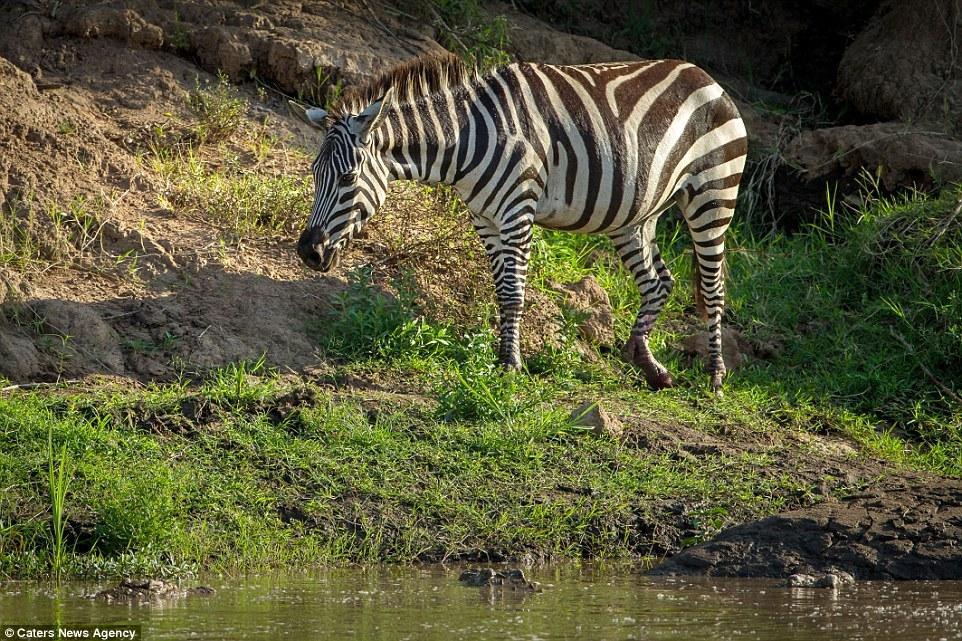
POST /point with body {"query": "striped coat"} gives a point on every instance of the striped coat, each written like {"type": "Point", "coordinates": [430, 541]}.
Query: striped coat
{"type": "Point", "coordinates": [602, 148]}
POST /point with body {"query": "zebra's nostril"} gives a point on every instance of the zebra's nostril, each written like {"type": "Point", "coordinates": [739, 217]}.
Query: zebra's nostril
{"type": "Point", "coordinates": [307, 249]}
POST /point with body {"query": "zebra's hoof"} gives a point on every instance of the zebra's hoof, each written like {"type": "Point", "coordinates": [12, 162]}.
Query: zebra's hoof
{"type": "Point", "coordinates": [716, 385]}
{"type": "Point", "coordinates": [659, 380]}
{"type": "Point", "coordinates": [636, 352]}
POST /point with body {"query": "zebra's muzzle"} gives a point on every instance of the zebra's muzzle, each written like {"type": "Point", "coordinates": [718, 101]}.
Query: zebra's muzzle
{"type": "Point", "coordinates": [315, 251]}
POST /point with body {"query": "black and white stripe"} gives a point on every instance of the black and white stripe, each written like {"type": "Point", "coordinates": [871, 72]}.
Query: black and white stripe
{"type": "Point", "coordinates": [602, 148]}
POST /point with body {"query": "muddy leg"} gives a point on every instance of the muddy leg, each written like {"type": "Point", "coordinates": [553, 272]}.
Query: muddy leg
{"type": "Point", "coordinates": [638, 252]}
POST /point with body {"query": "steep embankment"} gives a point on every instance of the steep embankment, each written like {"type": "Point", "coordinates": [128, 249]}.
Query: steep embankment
{"type": "Point", "coordinates": [221, 407]}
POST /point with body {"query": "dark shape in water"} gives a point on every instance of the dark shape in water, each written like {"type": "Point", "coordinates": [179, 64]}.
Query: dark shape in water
{"type": "Point", "coordinates": [509, 579]}
{"type": "Point", "coordinates": [147, 590]}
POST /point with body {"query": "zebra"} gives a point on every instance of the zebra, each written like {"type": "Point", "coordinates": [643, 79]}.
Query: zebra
{"type": "Point", "coordinates": [597, 149]}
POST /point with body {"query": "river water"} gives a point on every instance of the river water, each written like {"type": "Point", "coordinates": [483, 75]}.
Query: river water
{"type": "Point", "coordinates": [428, 603]}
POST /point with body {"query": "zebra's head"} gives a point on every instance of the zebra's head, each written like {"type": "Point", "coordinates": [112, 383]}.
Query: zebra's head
{"type": "Point", "coordinates": [350, 182]}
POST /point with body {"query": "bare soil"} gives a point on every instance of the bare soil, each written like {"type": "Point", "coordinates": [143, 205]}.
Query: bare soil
{"type": "Point", "coordinates": [101, 81]}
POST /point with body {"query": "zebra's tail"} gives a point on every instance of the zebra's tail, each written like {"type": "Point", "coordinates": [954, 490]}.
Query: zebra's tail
{"type": "Point", "coordinates": [696, 283]}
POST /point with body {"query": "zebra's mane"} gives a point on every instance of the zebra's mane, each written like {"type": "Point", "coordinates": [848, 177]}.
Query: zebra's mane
{"type": "Point", "coordinates": [422, 76]}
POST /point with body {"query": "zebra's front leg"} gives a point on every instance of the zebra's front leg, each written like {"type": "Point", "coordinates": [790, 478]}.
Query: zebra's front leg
{"type": "Point", "coordinates": [640, 256]}
{"type": "Point", "coordinates": [509, 248]}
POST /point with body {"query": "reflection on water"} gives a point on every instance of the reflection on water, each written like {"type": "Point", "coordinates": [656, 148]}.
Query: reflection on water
{"type": "Point", "coordinates": [577, 603]}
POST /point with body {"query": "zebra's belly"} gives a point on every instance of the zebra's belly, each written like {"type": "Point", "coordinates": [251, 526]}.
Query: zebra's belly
{"type": "Point", "coordinates": [607, 215]}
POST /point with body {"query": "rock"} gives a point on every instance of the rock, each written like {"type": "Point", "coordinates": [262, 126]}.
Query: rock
{"type": "Point", "coordinates": [109, 22]}
{"type": "Point", "coordinates": [21, 40]}
{"type": "Point", "coordinates": [86, 336]}
{"type": "Point", "coordinates": [903, 65]}
{"type": "Point", "coordinates": [477, 577]}
{"type": "Point", "coordinates": [904, 155]}
{"type": "Point", "coordinates": [735, 349]}
{"type": "Point", "coordinates": [488, 577]}
{"type": "Point", "coordinates": [147, 590]}
{"type": "Point", "coordinates": [589, 299]}
{"type": "Point", "coordinates": [801, 581]}
{"type": "Point", "coordinates": [19, 359]}
{"type": "Point", "coordinates": [287, 62]}
{"type": "Point", "coordinates": [833, 580]}
{"type": "Point", "coordinates": [909, 532]}
{"type": "Point", "coordinates": [531, 40]}
{"type": "Point", "coordinates": [601, 422]}
{"type": "Point", "coordinates": [220, 50]}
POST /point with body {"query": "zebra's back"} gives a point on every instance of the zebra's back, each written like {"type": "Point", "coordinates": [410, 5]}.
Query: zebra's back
{"type": "Point", "coordinates": [615, 143]}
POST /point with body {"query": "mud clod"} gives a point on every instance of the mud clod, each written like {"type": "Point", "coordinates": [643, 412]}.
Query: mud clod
{"type": "Point", "coordinates": [600, 421]}
{"type": "Point", "coordinates": [906, 532]}
{"type": "Point", "coordinates": [589, 300]}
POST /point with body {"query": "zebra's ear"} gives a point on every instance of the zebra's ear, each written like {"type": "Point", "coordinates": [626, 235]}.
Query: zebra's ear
{"type": "Point", "coordinates": [312, 116]}
{"type": "Point", "coordinates": [368, 120]}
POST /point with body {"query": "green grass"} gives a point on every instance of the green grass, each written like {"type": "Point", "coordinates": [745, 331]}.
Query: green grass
{"type": "Point", "coordinates": [244, 202]}
{"type": "Point", "coordinates": [220, 168]}
{"type": "Point", "coordinates": [863, 310]}
{"type": "Point", "coordinates": [226, 475]}
{"type": "Point", "coordinates": [59, 473]}
{"type": "Point", "coordinates": [37, 235]}
{"type": "Point", "coordinates": [466, 28]}
{"type": "Point", "coordinates": [243, 469]}
{"type": "Point", "coordinates": [218, 109]}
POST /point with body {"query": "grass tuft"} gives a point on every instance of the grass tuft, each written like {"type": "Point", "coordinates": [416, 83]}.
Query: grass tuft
{"type": "Point", "coordinates": [58, 481]}
{"type": "Point", "coordinates": [218, 109]}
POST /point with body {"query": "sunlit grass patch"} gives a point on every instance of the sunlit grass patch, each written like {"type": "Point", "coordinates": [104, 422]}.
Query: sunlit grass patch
{"type": "Point", "coordinates": [218, 109]}
{"type": "Point", "coordinates": [220, 167]}
{"type": "Point", "coordinates": [245, 201]}
{"type": "Point", "coordinates": [254, 485]}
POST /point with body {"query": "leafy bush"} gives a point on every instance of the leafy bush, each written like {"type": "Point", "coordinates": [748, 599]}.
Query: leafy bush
{"type": "Point", "coordinates": [219, 110]}
{"type": "Point", "coordinates": [466, 28]}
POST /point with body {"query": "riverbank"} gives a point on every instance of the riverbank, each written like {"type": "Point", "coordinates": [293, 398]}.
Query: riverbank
{"type": "Point", "coordinates": [247, 471]}
{"type": "Point", "coordinates": [406, 443]}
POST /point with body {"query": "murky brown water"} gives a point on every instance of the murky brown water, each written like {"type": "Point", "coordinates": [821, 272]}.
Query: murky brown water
{"type": "Point", "coordinates": [577, 603]}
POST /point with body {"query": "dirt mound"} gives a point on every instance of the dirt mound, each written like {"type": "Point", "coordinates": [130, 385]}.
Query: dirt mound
{"type": "Point", "coordinates": [906, 532]}
{"type": "Point", "coordinates": [122, 279]}
{"type": "Point", "coordinates": [903, 155]}
{"type": "Point", "coordinates": [905, 65]}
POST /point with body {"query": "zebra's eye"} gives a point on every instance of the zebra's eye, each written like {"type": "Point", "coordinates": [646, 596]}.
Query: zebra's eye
{"type": "Point", "coordinates": [349, 178]}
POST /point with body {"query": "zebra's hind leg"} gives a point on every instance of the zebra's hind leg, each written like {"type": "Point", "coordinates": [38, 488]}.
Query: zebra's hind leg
{"type": "Point", "coordinates": [640, 255]}
{"type": "Point", "coordinates": [708, 222]}
{"type": "Point", "coordinates": [509, 250]}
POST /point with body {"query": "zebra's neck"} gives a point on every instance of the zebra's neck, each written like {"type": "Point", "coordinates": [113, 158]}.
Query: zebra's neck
{"type": "Point", "coordinates": [423, 139]}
